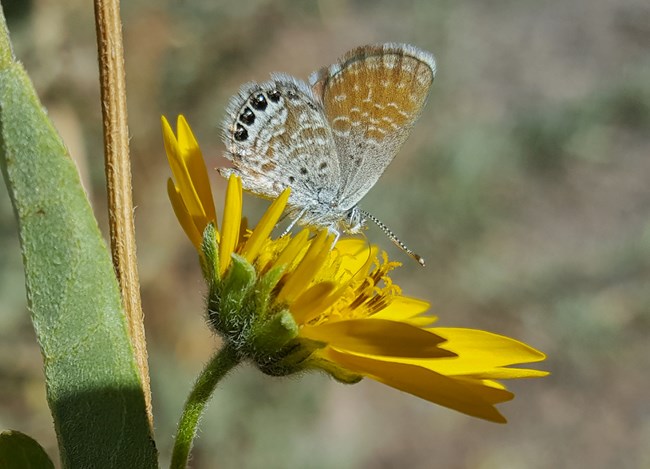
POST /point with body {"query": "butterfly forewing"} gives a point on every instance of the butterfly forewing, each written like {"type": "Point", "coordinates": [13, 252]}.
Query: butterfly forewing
{"type": "Point", "coordinates": [372, 97]}
{"type": "Point", "coordinates": [277, 135]}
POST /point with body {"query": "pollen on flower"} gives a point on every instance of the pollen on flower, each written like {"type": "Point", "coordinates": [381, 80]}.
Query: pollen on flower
{"type": "Point", "coordinates": [360, 294]}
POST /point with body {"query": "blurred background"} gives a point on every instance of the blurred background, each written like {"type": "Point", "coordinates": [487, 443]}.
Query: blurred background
{"type": "Point", "coordinates": [525, 185]}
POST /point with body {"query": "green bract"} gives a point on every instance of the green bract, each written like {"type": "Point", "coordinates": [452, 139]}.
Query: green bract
{"type": "Point", "coordinates": [241, 309]}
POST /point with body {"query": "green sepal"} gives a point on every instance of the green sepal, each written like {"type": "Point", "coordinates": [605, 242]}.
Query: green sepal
{"type": "Point", "coordinates": [240, 277]}
{"type": "Point", "coordinates": [228, 309]}
{"type": "Point", "coordinates": [270, 335]}
{"type": "Point", "coordinates": [265, 286]}
{"type": "Point", "coordinates": [237, 284]}
{"type": "Point", "coordinates": [340, 374]}
{"type": "Point", "coordinates": [289, 359]}
{"type": "Point", "coordinates": [210, 250]}
{"type": "Point", "coordinates": [19, 451]}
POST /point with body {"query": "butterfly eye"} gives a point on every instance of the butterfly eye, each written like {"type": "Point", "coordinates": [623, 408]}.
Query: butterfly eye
{"type": "Point", "coordinates": [353, 218]}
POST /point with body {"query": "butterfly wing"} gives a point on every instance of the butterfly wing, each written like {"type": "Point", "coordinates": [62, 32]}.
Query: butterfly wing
{"type": "Point", "coordinates": [372, 97]}
{"type": "Point", "coordinates": [276, 135]}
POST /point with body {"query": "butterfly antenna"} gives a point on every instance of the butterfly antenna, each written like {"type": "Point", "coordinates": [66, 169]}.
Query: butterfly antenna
{"type": "Point", "coordinates": [393, 238]}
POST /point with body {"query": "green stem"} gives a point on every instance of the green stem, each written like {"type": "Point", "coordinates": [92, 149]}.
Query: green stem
{"type": "Point", "coordinates": [220, 364]}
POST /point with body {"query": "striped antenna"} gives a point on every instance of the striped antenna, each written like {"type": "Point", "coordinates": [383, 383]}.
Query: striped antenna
{"type": "Point", "coordinates": [392, 237]}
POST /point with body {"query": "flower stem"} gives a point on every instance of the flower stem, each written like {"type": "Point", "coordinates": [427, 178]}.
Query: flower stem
{"type": "Point", "coordinates": [220, 364]}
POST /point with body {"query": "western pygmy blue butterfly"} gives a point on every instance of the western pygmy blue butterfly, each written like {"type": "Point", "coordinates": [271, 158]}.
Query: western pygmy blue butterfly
{"type": "Point", "coordinates": [331, 140]}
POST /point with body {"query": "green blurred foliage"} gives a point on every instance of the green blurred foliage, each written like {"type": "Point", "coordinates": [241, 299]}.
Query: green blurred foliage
{"type": "Point", "coordinates": [524, 185]}
{"type": "Point", "coordinates": [18, 451]}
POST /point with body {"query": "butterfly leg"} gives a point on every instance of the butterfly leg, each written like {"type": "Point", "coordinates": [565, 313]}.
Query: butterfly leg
{"type": "Point", "coordinates": [337, 234]}
{"type": "Point", "coordinates": [293, 222]}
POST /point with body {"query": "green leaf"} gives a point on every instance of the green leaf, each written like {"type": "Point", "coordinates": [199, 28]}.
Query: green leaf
{"type": "Point", "coordinates": [19, 451]}
{"type": "Point", "coordinates": [93, 387]}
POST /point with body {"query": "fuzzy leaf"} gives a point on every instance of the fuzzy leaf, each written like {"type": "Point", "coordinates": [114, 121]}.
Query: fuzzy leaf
{"type": "Point", "coordinates": [19, 451]}
{"type": "Point", "coordinates": [93, 387]}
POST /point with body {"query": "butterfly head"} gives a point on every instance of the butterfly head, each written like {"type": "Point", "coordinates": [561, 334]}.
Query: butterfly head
{"type": "Point", "coordinates": [354, 221]}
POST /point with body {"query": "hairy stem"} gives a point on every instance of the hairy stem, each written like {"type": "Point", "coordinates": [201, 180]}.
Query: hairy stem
{"type": "Point", "coordinates": [220, 364]}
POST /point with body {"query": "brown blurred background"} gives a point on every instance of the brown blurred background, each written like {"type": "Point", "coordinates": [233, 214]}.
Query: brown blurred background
{"type": "Point", "coordinates": [524, 185]}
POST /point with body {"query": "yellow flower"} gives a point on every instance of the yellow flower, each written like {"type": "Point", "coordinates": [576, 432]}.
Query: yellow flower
{"type": "Point", "coordinates": [302, 302]}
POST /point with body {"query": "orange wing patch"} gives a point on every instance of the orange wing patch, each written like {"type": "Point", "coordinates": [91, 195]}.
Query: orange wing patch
{"type": "Point", "coordinates": [381, 93]}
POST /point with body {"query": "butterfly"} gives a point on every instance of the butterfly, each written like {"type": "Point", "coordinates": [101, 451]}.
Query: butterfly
{"type": "Point", "coordinates": [329, 140]}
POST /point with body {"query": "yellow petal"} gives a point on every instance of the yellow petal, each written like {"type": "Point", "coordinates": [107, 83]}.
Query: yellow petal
{"type": "Point", "coordinates": [181, 174]}
{"type": "Point", "coordinates": [231, 222]}
{"type": "Point", "coordinates": [356, 256]}
{"type": "Point", "coordinates": [481, 382]}
{"type": "Point", "coordinates": [191, 153]}
{"type": "Point", "coordinates": [353, 247]}
{"type": "Point", "coordinates": [507, 373]}
{"type": "Point", "coordinates": [404, 308]}
{"type": "Point", "coordinates": [492, 391]}
{"type": "Point", "coordinates": [299, 279]}
{"type": "Point", "coordinates": [291, 253]}
{"type": "Point", "coordinates": [476, 401]}
{"type": "Point", "coordinates": [479, 351]}
{"type": "Point", "coordinates": [265, 226]}
{"type": "Point", "coordinates": [377, 337]}
{"type": "Point", "coordinates": [183, 215]}
{"type": "Point", "coordinates": [423, 321]}
{"type": "Point", "coordinates": [319, 307]}
{"type": "Point", "coordinates": [169, 138]}
{"type": "Point", "coordinates": [315, 298]}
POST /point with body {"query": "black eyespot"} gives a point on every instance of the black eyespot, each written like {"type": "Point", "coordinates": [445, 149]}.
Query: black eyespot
{"type": "Point", "coordinates": [241, 133]}
{"type": "Point", "coordinates": [247, 117]}
{"type": "Point", "coordinates": [274, 96]}
{"type": "Point", "coordinates": [303, 171]}
{"type": "Point", "coordinates": [259, 102]}
{"type": "Point", "coordinates": [292, 179]}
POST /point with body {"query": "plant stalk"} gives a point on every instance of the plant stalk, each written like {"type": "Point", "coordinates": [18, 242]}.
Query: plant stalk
{"type": "Point", "coordinates": [118, 178]}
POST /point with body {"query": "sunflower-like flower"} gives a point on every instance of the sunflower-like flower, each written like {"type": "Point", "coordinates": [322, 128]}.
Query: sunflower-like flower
{"type": "Point", "coordinates": [304, 302]}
